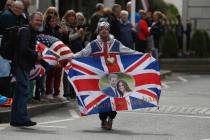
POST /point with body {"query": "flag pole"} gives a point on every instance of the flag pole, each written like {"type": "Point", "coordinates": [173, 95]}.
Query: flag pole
{"type": "Point", "coordinates": [133, 12]}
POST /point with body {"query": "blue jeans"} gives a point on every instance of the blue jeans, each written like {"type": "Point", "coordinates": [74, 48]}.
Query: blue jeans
{"type": "Point", "coordinates": [19, 112]}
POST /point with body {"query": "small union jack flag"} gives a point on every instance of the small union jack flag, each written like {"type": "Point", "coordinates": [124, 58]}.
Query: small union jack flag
{"type": "Point", "coordinates": [89, 78]}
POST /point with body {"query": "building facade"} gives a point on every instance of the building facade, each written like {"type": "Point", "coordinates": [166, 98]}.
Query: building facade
{"type": "Point", "coordinates": [195, 10]}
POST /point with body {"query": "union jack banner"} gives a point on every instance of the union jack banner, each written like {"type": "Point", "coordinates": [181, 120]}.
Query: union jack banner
{"type": "Point", "coordinates": [57, 46]}
{"type": "Point", "coordinates": [131, 82]}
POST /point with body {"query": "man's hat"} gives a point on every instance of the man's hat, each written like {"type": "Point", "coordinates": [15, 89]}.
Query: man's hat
{"type": "Point", "coordinates": [104, 24]}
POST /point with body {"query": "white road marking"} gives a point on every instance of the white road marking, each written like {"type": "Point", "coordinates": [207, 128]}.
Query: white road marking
{"type": "Point", "coordinates": [50, 126]}
{"type": "Point", "coordinates": [170, 82]}
{"type": "Point", "coordinates": [169, 115]}
{"type": "Point", "coordinates": [164, 85]}
{"type": "Point", "coordinates": [56, 121]}
{"type": "Point", "coordinates": [182, 79]}
{"type": "Point", "coordinates": [74, 114]}
{"type": "Point", "coordinates": [205, 139]}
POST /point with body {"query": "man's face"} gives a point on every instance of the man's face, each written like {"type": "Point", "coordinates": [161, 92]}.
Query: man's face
{"type": "Point", "coordinates": [124, 17]}
{"type": "Point", "coordinates": [104, 33]}
{"type": "Point", "coordinates": [36, 22]}
{"type": "Point", "coordinates": [17, 9]}
{"type": "Point", "coordinates": [113, 82]}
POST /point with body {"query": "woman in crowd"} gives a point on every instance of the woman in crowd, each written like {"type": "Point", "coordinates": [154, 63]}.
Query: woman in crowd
{"type": "Point", "coordinates": [157, 30]}
{"type": "Point", "coordinates": [143, 33]}
{"type": "Point", "coordinates": [75, 43]}
{"type": "Point", "coordinates": [53, 78]}
{"type": "Point", "coordinates": [81, 23]}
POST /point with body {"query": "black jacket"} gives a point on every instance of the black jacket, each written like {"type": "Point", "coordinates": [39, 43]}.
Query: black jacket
{"type": "Point", "coordinates": [26, 56]}
{"type": "Point", "coordinates": [114, 26]}
{"type": "Point", "coordinates": [9, 19]}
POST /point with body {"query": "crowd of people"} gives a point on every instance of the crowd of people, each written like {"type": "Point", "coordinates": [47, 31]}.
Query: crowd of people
{"type": "Point", "coordinates": [77, 32]}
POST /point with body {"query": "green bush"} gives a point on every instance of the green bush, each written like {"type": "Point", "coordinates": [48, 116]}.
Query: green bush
{"type": "Point", "coordinates": [169, 10]}
{"type": "Point", "coordinates": [207, 40]}
{"type": "Point", "coordinates": [199, 44]}
{"type": "Point", "coordinates": [169, 45]}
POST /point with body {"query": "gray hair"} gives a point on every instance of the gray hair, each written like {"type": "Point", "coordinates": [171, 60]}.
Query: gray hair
{"type": "Point", "coordinates": [129, 3]}
{"type": "Point", "coordinates": [17, 3]}
{"type": "Point", "coordinates": [34, 14]}
{"type": "Point", "coordinates": [124, 12]}
{"type": "Point", "coordinates": [112, 76]}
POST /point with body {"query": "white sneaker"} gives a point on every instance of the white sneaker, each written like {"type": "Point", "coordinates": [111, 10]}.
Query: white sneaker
{"type": "Point", "coordinates": [49, 97]}
{"type": "Point", "coordinates": [60, 98]}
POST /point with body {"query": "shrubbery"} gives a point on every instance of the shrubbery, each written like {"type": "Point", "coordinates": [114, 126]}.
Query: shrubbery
{"type": "Point", "coordinates": [169, 45]}
{"type": "Point", "coordinates": [199, 44]}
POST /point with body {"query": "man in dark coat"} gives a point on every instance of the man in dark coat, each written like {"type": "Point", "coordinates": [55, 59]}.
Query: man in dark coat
{"type": "Point", "coordinates": [25, 59]}
{"type": "Point", "coordinates": [95, 18]}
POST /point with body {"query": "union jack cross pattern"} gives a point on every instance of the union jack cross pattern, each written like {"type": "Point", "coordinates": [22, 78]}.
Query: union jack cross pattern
{"type": "Point", "coordinates": [131, 82]}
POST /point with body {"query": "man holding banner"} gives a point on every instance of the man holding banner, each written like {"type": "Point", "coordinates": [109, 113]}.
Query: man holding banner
{"type": "Point", "coordinates": [106, 46]}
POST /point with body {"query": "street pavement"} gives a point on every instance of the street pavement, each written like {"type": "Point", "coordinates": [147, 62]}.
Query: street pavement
{"type": "Point", "coordinates": [184, 114]}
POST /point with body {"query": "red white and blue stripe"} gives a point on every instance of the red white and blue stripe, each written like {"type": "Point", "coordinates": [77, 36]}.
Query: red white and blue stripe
{"type": "Point", "coordinates": [57, 46]}
{"type": "Point", "coordinates": [47, 55]}
{"type": "Point", "coordinates": [85, 74]}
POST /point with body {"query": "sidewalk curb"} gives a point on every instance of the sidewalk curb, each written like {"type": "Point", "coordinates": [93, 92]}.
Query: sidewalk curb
{"type": "Point", "coordinates": [33, 110]}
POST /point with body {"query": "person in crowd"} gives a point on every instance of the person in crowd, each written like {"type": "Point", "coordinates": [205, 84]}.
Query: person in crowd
{"type": "Point", "coordinates": [149, 18]}
{"type": "Point", "coordinates": [179, 34]}
{"type": "Point", "coordinates": [95, 18]}
{"type": "Point", "coordinates": [115, 21]}
{"type": "Point", "coordinates": [53, 77]}
{"type": "Point", "coordinates": [157, 31]}
{"type": "Point", "coordinates": [104, 45]}
{"type": "Point", "coordinates": [12, 17]}
{"type": "Point", "coordinates": [81, 23]}
{"type": "Point", "coordinates": [74, 42]}
{"type": "Point", "coordinates": [25, 59]}
{"type": "Point", "coordinates": [122, 88]}
{"type": "Point", "coordinates": [8, 5]}
{"type": "Point", "coordinates": [127, 34]}
{"type": "Point", "coordinates": [25, 14]}
{"type": "Point", "coordinates": [137, 15]}
{"type": "Point", "coordinates": [112, 16]}
{"type": "Point", "coordinates": [143, 33]}
{"type": "Point", "coordinates": [188, 32]}
{"type": "Point", "coordinates": [75, 34]}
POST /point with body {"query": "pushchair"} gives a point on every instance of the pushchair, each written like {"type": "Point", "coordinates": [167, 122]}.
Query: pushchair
{"type": "Point", "coordinates": [5, 77]}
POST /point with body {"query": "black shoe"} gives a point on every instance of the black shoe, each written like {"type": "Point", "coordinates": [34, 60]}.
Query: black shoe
{"type": "Point", "coordinates": [25, 124]}
{"type": "Point", "coordinates": [104, 124]}
{"type": "Point", "coordinates": [109, 124]}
